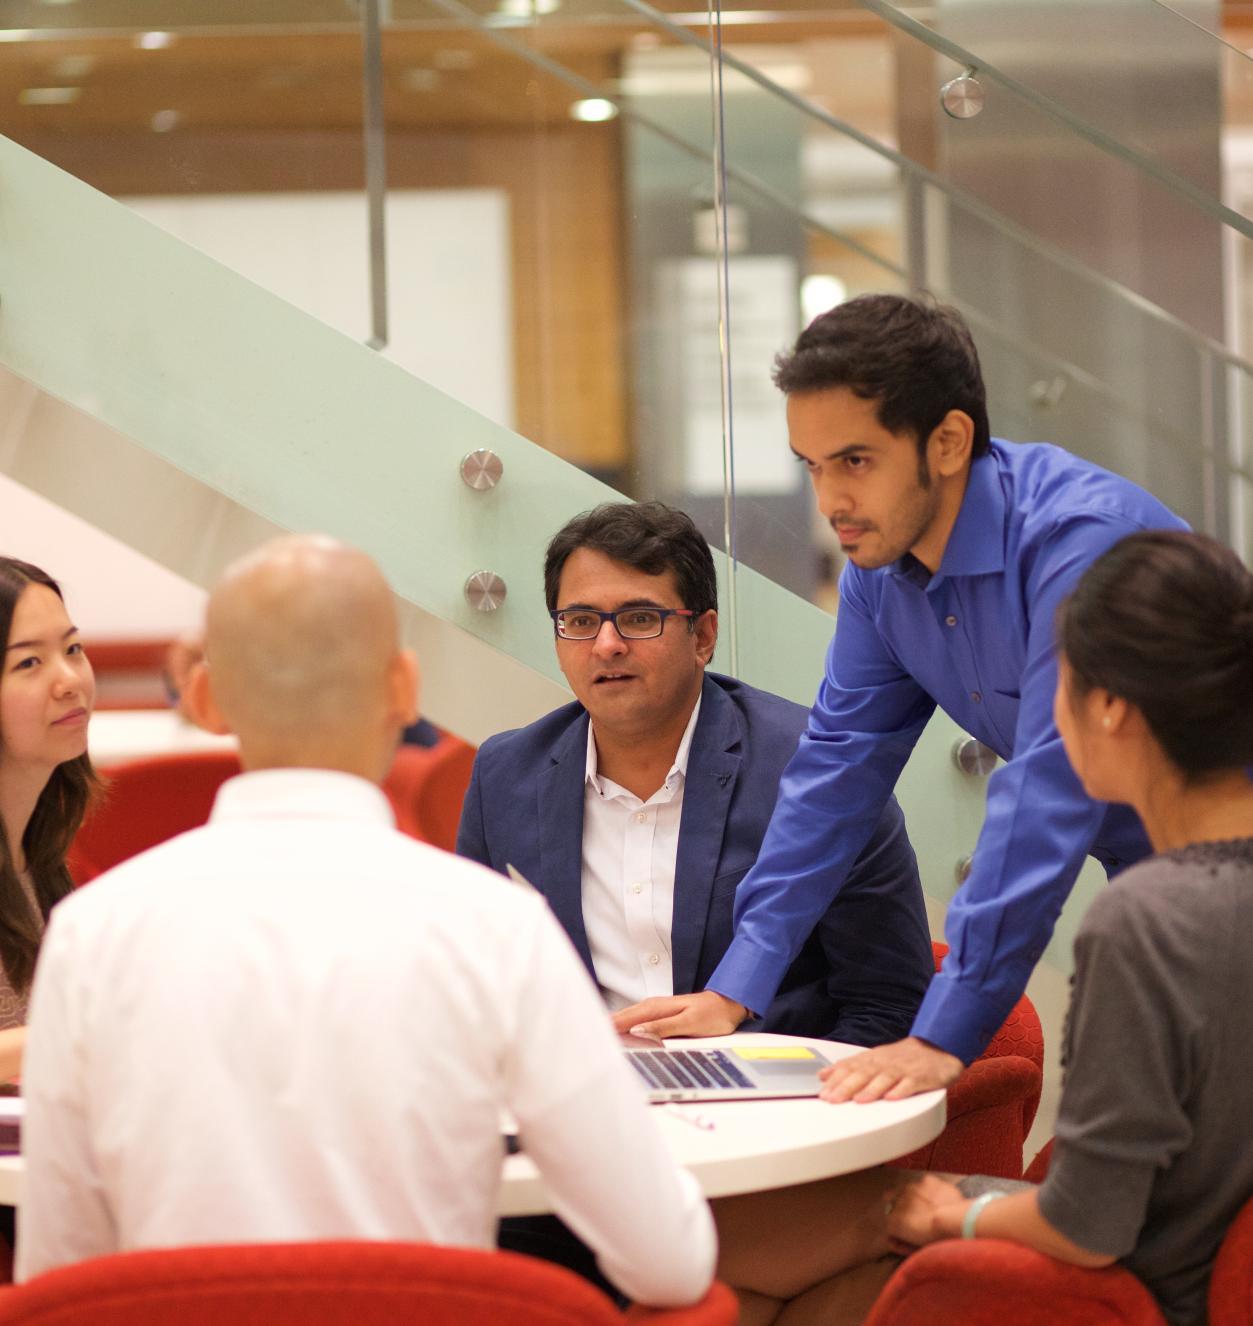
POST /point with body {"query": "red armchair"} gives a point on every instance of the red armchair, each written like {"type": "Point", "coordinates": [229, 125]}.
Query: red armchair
{"type": "Point", "coordinates": [329, 1284]}
{"type": "Point", "coordinates": [426, 787]}
{"type": "Point", "coordinates": [986, 1282]}
{"type": "Point", "coordinates": [144, 803]}
{"type": "Point", "coordinates": [992, 1106]}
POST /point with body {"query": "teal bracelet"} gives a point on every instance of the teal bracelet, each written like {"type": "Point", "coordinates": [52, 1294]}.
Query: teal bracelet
{"type": "Point", "coordinates": [975, 1208]}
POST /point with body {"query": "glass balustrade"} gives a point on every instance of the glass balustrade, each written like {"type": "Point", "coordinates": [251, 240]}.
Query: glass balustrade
{"type": "Point", "coordinates": [603, 218]}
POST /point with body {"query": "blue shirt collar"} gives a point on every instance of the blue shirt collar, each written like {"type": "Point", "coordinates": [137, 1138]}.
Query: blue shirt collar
{"type": "Point", "coordinates": [977, 544]}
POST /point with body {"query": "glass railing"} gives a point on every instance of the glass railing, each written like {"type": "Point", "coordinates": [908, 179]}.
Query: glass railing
{"type": "Point", "coordinates": [603, 219]}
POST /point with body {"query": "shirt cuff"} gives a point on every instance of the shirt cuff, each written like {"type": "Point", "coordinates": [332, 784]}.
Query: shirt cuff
{"type": "Point", "coordinates": [749, 975]}
{"type": "Point", "coordinates": [957, 1018]}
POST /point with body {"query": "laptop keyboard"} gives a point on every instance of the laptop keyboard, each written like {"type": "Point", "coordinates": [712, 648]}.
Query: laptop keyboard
{"type": "Point", "coordinates": [675, 1069]}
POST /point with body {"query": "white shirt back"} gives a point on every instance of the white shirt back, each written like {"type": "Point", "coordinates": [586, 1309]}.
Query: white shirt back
{"type": "Point", "coordinates": [296, 1023]}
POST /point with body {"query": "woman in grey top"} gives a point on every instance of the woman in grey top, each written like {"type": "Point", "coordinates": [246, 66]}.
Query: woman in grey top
{"type": "Point", "coordinates": [1152, 1160]}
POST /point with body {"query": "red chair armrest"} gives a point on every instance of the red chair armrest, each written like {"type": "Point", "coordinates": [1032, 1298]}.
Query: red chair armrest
{"type": "Point", "coordinates": [986, 1282]}
{"type": "Point", "coordinates": [1231, 1288]}
{"type": "Point", "coordinates": [986, 1120]}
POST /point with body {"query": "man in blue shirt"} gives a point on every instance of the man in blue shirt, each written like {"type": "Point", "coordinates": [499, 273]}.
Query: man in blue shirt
{"type": "Point", "coordinates": [960, 548]}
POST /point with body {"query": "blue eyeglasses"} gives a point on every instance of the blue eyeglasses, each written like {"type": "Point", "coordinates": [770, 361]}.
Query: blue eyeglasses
{"type": "Point", "coordinates": [630, 623]}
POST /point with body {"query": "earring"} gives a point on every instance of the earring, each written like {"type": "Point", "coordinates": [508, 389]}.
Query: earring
{"type": "Point", "coordinates": [1107, 722]}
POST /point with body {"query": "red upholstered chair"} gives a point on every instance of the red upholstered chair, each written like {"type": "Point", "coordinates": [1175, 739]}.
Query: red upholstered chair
{"type": "Point", "coordinates": [145, 802]}
{"type": "Point", "coordinates": [1231, 1288]}
{"type": "Point", "coordinates": [1039, 1167]}
{"type": "Point", "coordinates": [992, 1106]}
{"type": "Point", "coordinates": [426, 787]}
{"type": "Point", "coordinates": [987, 1282]}
{"type": "Point", "coordinates": [329, 1284]}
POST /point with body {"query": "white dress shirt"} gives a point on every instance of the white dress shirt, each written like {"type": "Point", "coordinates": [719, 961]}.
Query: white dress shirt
{"type": "Point", "coordinates": [296, 1023]}
{"type": "Point", "coordinates": [629, 852]}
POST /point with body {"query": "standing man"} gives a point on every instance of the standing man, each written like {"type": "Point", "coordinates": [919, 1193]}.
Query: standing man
{"type": "Point", "coordinates": [960, 548]}
{"type": "Point", "coordinates": [638, 809]}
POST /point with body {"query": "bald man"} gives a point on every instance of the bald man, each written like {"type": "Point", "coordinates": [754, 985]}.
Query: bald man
{"type": "Point", "coordinates": [296, 1023]}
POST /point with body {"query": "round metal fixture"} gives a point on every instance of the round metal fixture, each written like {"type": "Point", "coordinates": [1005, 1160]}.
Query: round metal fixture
{"type": "Point", "coordinates": [972, 757]}
{"type": "Point", "coordinates": [961, 871]}
{"type": "Point", "coordinates": [481, 469]}
{"type": "Point", "coordinates": [485, 591]}
{"type": "Point", "coordinates": [962, 97]}
{"type": "Point", "coordinates": [1046, 393]}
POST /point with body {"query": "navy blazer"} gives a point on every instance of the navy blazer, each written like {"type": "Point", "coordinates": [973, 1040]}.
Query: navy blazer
{"type": "Point", "coordinates": [865, 967]}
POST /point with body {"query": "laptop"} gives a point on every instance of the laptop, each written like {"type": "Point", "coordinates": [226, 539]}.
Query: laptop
{"type": "Point", "coordinates": [733, 1072]}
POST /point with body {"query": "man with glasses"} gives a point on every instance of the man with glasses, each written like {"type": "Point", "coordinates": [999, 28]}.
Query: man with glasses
{"type": "Point", "coordinates": [638, 809]}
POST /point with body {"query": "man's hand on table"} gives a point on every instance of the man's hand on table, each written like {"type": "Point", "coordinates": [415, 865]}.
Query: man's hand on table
{"type": "Point", "coordinates": [706, 1013]}
{"type": "Point", "coordinates": [890, 1072]}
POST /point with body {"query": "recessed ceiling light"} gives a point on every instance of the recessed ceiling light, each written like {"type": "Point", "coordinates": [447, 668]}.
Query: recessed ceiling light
{"type": "Point", "coordinates": [527, 8]}
{"type": "Point", "coordinates": [49, 96]}
{"type": "Point", "coordinates": [165, 120]}
{"type": "Point", "coordinates": [154, 41]}
{"type": "Point", "coordinates": [593, 110]}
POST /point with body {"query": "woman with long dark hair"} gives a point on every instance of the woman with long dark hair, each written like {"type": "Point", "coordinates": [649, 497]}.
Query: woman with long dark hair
{"type": "Point", "coordinates": [46, 780]}
{"type": "Point", "coordinates": [1152, 1160]}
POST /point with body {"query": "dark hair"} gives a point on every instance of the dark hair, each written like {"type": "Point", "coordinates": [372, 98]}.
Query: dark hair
{"type": "Point", "coordinates": [649, 536]}
{"type": "Point", "coordinates": [1164, 620]}
{"type": "Point", "coordinates": [53, 824]}
{"type": "Point", "coordinates": [915, 358]}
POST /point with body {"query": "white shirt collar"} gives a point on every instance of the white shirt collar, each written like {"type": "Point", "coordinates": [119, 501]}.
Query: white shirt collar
{"type": "Point", "coordinates": [301, 794]}
{"type": "Point", "coordinates": [679, 767]}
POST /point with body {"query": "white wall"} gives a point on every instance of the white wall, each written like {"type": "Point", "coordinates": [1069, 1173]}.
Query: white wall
{"type": "Point", "coordinates": [448, 266]}
{"type": "Point", "coordinates": [110, 590]}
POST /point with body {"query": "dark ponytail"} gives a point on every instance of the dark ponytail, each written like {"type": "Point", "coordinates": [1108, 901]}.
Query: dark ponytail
{"type": "Point", "coordinates": [1164, 620]}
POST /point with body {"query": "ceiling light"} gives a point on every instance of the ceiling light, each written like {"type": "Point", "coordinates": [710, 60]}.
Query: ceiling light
{"type": "Point", "coordinates": [593, 110]}
{"type": "Point", "coordinates": [49, 96]}
{"type": "Point", "coordinates": [527, 8]}
{"type": "Point", "coordinates": [165, 120]}
{"type": "Point", "coordinates": [154, 41]}
{"type": "Point", "coordinates": [16, 34]}
{"type": "Point", "coordinates": [820, 293]}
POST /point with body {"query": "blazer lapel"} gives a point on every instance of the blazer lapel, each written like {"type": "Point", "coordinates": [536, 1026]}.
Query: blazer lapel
{"type": "Point", "coordinates": [713, 766]}
{"type": "Point", "coordinates": [559, 804]}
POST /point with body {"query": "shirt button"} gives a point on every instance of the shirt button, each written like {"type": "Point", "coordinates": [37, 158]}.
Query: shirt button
{"type": "Point", "coordinates": [975, 696]}
{"type": "Point", "coordinates": [640, 818]}
{"type": "Point", "coordinates": [654, 959]}
{"type": "Point", "coordinates": [637, 888]}
{"type": "Point", "coordinates": [950, 620]}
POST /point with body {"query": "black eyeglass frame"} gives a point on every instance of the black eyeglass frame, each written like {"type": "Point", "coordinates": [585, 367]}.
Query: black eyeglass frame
{"type": "Point", "coordinates": [662, 613]}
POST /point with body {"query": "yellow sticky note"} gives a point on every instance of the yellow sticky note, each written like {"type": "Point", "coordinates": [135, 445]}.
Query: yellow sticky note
{"type": "Point", "coordinates": [775, 1052]}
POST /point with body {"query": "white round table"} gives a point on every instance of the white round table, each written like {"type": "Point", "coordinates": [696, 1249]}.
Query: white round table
{"type": "Point", "coordinates": [752, 1144]}
{"type": "Point", "coordinates": [758, 1144]}
{"type": "Point", "coordinates": [118, 735]}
